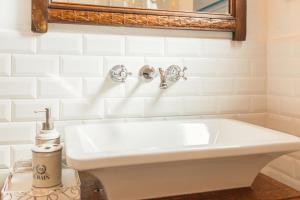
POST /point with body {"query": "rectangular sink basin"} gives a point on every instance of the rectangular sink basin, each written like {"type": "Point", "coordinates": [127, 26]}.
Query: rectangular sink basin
{"type": "Point", "coordinates": [174, 157]}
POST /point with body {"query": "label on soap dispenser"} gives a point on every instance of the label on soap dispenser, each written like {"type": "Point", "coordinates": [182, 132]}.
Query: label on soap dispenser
{"type": "Point", "coordinates": [46, 166]}
{"type": "Point", "coordinates": [40, 172]}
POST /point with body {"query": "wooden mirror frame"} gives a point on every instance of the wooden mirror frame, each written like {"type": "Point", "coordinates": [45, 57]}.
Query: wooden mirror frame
{"type": "Point", "coordinates": [46, 11]}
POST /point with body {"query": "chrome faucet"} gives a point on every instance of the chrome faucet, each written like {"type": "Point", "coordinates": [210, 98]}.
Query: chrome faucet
{"type": "Point", "coordinates": [148, 73]}
{"type": "Point", "coordinates": [163, 79]}
{"type": "Point", "coordinates": [119, 73]}
{"type": "Point", "coordinates": [173, 74]}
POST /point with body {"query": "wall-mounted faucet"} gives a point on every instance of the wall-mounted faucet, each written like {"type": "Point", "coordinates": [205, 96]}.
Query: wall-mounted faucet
{"type": "Point", "coordinates": [119, 73]}
{"type": "Point", "coordinates": [173, 73]}
{"type": "Point", "coordinates": [148, 73]}
{"type": "Point", "coordinates": [163, 79]}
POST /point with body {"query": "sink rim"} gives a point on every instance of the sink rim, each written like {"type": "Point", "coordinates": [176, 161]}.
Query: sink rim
{"type": "Point", "coordinates": [87, 161]}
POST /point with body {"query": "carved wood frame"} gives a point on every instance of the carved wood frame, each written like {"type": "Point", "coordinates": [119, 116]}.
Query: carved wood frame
{"type": "Point", "coordinates": [46, 11]}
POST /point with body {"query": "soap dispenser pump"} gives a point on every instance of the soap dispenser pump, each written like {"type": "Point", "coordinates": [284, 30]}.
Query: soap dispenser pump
{"type": "Point", "coordinates": [47, 135]}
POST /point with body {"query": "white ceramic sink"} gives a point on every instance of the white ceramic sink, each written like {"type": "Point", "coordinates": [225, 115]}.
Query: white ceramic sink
{"type": "Point", "coordinates": [164, 158]}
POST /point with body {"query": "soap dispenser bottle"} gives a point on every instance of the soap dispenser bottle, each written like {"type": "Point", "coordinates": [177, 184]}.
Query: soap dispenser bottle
{"type": "Point", "coordinates": [47, 135]}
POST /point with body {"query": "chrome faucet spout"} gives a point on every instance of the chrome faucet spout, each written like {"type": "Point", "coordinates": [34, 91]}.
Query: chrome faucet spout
{"type": "Point", "coordinates": [163, 79]}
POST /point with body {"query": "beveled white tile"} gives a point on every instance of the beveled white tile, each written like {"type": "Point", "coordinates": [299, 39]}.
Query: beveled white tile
{"type": "Point", "coordinates": [23, 110]}
{"type": "Point", "coordinates": [17, 42]}
{"type": "Point", "coordinates": [165, 106]}
{"type": "Point", "coordinates": [5, 110]}
{"type": "Point", "coordinates": [99, 88]}
{"type": "Point", "coordinates": [184, 47]}
{"type": "Point", "coordinates": [163, 62]}
{"type": "Point", "coordinates": [191, 87]}
{"type": "Point", "coordinates": [104, 45]}
{"type": "Point", "coordinates": [5, 64]}
{"type": "Point", "coordinates": [273, 104]}
{"type": "Point", "coordinates": [82, 109]}
{"type": "Point", "coordinates": [259, 67]}
{"type": "Point", "coordinates": [4, 156]}
{"type": "Point", "coordinates": [59, 43]}
{"type": "Point", "coordinates": [222, 48]}
{"type": "Point", "coordinates": [251, 86]}
{"type": "Point", "coordinates": [202, 67]}
{"type": "Point", "coordinates": [144, 46]}
{"type": "Point", "coordinates": [132, 107]}
{"type": "Point", "coordinates": [199, 105]}
{"type": "Point", "coordinates": [60, 87]}
{"type": "Point", "coordinates": [233, 68]}
{"type": "Point", "coordinates": [259, 103]}
{"type": "Point", "coordinates": [217, 86]}
{"type": "Point", "coordinates": [82, 66]}
{"type": "Point", "coordinates": [234, 104]}
{"type": "Point", "coordinates": [17, 88]}
{"type": "Point", "coordinates": [290, 106]}
{"type": "Point", "coordinates": [278, 86]}
{"type": "Point", "coordinates": [136, 87]}
{"type": "Point", "coordinates": [294, 86]}
{"type": "Point", "coordinates": [17, 133]}
{"type": "Point", "coordinates": [35, 65]}
{"type": "Point", "coordinates": [139, 88]}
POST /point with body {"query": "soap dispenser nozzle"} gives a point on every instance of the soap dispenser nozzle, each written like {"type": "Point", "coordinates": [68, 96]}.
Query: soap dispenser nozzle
{"type": "Point", "coordinates": [47, 125]}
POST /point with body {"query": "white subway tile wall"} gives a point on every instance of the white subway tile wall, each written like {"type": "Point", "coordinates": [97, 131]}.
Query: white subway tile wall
{"type": "Point", "coordinates": [67, 69]}
{"type": "Point", "coordinates": [81, 109]}
{"type": "Point", "coordinates": [183, 47]}
{"type": "Point", "coordinates": [81, 66]}
{"type": "Point", "coordinates": [5, 156]}
{"type": "Point", "coordinates": [120, 107]}
{"type": "Point", "coordinates": [283, 84]}
{"type": "Point", "coordinates": [59, 87]}
{"type": "Point", "coordinates": [59, 43]}
{"type": "Point", "coordinates": [5, 64]}
{"type": "Point", "coordinates": [17, 42]}
{"type": "Point", "coordinates": [17, 133]}
{"type": "Point", "coordinates": [144, 46]}
{"type": "Point", "coordinates": [109, 45]}
{"type": "Point", "coordinates": [133, 64]}
{"type": "Point", "coordinates": [35, 65]}
{"type": "Point", "coordinates": [17, 88]}
{"type": "Point", "coordinates": [5, 110]}
{"type": "Point", "coordinates": [22, 110]}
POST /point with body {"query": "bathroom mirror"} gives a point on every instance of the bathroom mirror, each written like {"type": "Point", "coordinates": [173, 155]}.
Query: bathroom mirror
{"type": "Point", "coordinates": [207, 15]}
{"type": "Point", "coordinates": [207, 6]}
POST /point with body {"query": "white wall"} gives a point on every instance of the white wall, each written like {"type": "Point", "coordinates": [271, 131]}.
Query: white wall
{"type": "Point", "coordinates": [283, 83]}
{"type": "Point", "coordinates": [66, 69]}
